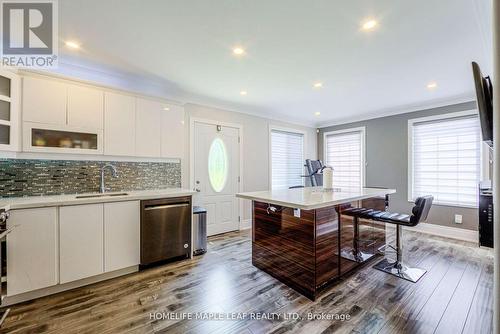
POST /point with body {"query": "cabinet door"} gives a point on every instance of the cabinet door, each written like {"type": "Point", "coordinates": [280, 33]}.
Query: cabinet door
{"type": "Point", "coordinates": [85, 107]}
{"type": "Point", "coordinates": [172, 132]}
{"type": "Point", "coordinates": [44, 101]}
{"type": "Point", "coordinates": [9, 111]}
{"type": "Point", "coordinates": [119, 124]}
{"type": "Point", "coordinates": [32, 257]}
{"type": "Point", "coordinates": [81, 241]}
{"type": "Point", "coordinates": [122, 231]}
{"type": "Point", "coordinates": [148, 128]}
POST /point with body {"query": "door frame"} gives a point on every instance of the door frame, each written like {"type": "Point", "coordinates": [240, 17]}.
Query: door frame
{"type": "Point", "coordinates": [192, 122]}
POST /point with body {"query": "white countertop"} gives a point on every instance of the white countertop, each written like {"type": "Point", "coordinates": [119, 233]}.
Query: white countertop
{"type": "Point", "coordinates": [62, 200]}
{"type": "Point", "coordinates": [310, 198]}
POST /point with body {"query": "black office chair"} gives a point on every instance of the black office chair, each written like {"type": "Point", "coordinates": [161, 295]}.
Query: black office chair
{"type": "Point", "coordinates": [419, 214]}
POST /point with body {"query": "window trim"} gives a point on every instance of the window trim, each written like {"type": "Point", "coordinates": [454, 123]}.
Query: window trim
{"type": "Point", "coordinates": [361, 129]}
{"type": "Point", "coordinates": [270, 148]}
{"type": "Point", "coordinates": [411, 122]}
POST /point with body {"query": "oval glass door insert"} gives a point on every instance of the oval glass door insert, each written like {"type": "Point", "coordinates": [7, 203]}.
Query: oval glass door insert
{"type": "Point", "coordinates": [217, 165]}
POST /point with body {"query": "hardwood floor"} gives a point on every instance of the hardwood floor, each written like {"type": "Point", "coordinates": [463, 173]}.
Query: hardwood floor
{"type": "Point", "coordinates": [455, 296]}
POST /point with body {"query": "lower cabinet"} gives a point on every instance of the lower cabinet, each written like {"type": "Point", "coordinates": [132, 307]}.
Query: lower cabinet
{"type": "Point", "coordinates": [32, 254]}
{"type": "Point", "coordinates": [81, 251]}
{"type": "Point", "coordinates": [57, 245]}
{"type": "Point", "coordinates": [122, 231]}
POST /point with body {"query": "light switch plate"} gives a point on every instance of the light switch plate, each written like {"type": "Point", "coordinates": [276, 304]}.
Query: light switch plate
{"type": "Point", "coordinates": [458, 219]}
{"type": "Point", "coordinates": [296, 213]}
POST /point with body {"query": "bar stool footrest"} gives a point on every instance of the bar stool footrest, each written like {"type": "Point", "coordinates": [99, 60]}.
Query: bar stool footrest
{"type": "Point", "coordinates": [400, 270]}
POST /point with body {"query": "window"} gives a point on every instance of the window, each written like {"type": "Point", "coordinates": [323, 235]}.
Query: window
{"type": "Point", "coordinates": [217, 165]}
{"type": "Point", "coordinates": [444, 158]}
{"type": "Point", "coordinates": [287, 159]}
{"type": "Point", "coordinates": [344, 152]}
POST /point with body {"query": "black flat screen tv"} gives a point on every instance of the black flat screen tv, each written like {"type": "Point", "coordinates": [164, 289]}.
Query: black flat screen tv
{"type": "Point", "coordinates": [484, 94]}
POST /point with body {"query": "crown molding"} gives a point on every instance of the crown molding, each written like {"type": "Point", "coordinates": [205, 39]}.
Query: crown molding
{"type": "Point", "coordinates": [398, 110]}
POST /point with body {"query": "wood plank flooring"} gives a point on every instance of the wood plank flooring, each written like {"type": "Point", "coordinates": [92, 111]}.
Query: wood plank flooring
{"type": "Point", "coordinates": [455, 296]}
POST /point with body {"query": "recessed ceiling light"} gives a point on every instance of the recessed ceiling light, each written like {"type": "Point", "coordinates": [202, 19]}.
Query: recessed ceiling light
{"type": "Point", "coordinates": [243, 92]}
{"type": "Point", "coordinates": [318, 85]}
{"type": "Point", "coordinates": [369, 25]}
{"type": "Point", "coordinates": [238, 51]}
{"type": "Point", "coordinates": [166, 108]}
{"type": "Point", "coordinates": [432, 85]}
{"type": "Point", "coordinates": [72, 45]}
{"type": "Point", "coordinates": [317, 113]}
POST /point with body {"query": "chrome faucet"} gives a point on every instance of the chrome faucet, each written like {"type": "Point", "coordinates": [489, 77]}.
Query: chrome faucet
{"type": "Point", "coordinates": [102, 188]}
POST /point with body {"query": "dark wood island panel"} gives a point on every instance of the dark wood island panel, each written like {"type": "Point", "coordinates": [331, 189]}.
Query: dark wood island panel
{"type": "Point", "coordinates": [302, 248]}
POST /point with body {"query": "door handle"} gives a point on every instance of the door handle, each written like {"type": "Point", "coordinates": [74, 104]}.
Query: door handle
{"type": "Point", "coordinates": [168, 206]}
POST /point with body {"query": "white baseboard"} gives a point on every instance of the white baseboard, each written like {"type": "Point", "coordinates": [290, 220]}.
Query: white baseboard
{"type": "Point", "coordinates": [245, 224]}
{"type": "Point", "coordinates": [444, 231]}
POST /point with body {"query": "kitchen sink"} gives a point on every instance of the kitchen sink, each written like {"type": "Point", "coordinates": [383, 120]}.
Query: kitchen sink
{"type": "Point", "coordinates": [102, 195]}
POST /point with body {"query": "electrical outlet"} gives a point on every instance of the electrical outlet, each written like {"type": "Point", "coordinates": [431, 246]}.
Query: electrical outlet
{"type": "Point", "coordinates": [296, 213]}
{"type": "Point", "coordinates": [458, 219]}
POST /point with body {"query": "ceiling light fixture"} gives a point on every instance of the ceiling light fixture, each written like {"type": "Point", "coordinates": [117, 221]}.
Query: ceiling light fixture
{"type": "Point", "coordinates": [166, 108]}
{"type": "Point", "coordinates": [72, 45]}
{"type": "Point", "coordinates": [317, 113]}
{"type": "Point", "coordinates": [318, 85]}
{"type": "Point", "coordinates": [432, 85]}
{"type": "Point", "coordinates": [238, 51]}
{"type": "Point", "coordinates": [243, 92]}
{"type": "Point", "coordinates": [369, 25]}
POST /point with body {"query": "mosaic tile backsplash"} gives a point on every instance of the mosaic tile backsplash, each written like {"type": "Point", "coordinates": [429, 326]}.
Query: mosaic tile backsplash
{"type": "Point", "coordinates": [19, 177]}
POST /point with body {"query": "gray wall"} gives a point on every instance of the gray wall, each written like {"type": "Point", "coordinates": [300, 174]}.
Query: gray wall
{"type": "Point", "coordinates": [387, 161]}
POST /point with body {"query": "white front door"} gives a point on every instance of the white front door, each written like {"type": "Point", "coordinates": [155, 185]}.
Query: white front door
{"type": "Point", "coordinates": [216, 174]}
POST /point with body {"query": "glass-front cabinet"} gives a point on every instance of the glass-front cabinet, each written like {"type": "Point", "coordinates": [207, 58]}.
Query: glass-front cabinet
{"type": "Point", "coordinates": [61, 139]}
{"type": "Point", "coordinates": [9, 111]}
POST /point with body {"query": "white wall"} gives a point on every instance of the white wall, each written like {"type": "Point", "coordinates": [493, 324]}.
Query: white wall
{"type": "Point", "coordinates": [255, 146]}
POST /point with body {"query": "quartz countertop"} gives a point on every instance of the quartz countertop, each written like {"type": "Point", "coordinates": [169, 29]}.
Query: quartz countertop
{"type": "Point", "coordinates": [310, 198]}
{"type": "Point", "coordinates": [63, 200]}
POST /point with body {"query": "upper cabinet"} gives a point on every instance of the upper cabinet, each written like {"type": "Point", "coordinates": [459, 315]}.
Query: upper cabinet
{"type": "Point", "coordinates": [148, 128]}
{"type": "Point", "coordinates": [54, 102]}
{"type": "Point", "coordinates": [119, 124]}
{"type": "Point", "coordinates": [9, 111]}
{"type": "Point", "coordinates": [172, 132]}
{"type": "Point", "coordinates": [85, 107]}
{"type": "Point", "coordinates": [60, 116]}
{"type": "Point", "coordinates": [44, 101]}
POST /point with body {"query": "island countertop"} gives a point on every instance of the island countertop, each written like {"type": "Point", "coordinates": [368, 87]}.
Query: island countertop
{"type": "Point", "coordinates": [310, 198]}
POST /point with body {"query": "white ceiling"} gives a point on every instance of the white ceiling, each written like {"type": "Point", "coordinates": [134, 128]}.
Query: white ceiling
{"type": "Point", "coordinates": [185, 46]}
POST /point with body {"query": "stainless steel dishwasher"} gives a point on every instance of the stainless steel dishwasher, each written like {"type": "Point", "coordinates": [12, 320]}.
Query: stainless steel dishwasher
{"type": "Point", "coordinates": [165, 229]}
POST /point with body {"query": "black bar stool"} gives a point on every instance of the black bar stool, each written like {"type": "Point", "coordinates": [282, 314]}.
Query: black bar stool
{"type": "Point", "coordinates": [419, 214]}
{"type": "Point", "coordinates": [355, 254]}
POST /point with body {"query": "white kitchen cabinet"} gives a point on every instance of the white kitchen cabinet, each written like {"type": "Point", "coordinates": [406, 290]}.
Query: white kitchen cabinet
{"type": "Point", "coordinates": [119, 124]}
{"type": "Point", "coordinates": [122, 230]}
{"type": "Point", "coordinates": [44, 101]}
{"type": "Point", "coordinates": [81, 253]}
{"type": "Point", "coordinates": [9, 111]}
{"type": "Point", "coordinates": [172, 132]}
{"type": "Point", "coordinates": [32, 254]}
{"type": "Point", "coordinates": [85, 107]}
{"type": "Point", "coordinates": [148, 128]}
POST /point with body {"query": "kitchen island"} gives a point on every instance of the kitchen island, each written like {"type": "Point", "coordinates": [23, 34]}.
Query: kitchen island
{"type": "Point", "coordinates": [298, 238]}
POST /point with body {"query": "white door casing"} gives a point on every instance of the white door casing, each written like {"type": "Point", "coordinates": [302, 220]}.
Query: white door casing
{"type": "Point", "coordinates": [217, 195]}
